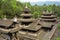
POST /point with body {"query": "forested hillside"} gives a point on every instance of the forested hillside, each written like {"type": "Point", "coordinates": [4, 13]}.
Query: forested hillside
{"type": "Point", "coordinates": [10, 8]}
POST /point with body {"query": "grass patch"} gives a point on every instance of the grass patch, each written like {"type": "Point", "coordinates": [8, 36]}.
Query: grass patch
{"type": "Point", "coordinates": [58, 26]}
{"type": "Point", "coordinates": [57, 38]}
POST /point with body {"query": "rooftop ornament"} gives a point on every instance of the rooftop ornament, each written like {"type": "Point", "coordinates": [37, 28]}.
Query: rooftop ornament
{"type": "Point", "coordinates": [26, 9]}
{"type": "Point", "coordinates": [15, 19]}
{"type": "Point", "coordinates": [47, 11]}
{"type": "Point", "coordinates": [44, 12]}
{"type": "Point", "coordinates": [5, 18]}
{"type": "Point", "coordinates": [26, 6]}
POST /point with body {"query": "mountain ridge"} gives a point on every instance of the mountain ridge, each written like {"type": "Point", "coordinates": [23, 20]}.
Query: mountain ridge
{"type": "Point", "coordinates": [46, 2]}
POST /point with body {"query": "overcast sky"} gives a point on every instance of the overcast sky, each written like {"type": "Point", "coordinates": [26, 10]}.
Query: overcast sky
{"type": "Point", "coordinates": [38, 0]}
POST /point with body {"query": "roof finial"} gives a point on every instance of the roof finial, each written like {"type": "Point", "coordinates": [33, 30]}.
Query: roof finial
{"type": "Point", "coordinates": [5, 17]}
{"type": "Point", "coordinates": [15, 19]}
{"type": "Point", "coordinates": [26, 6]}
{"type": "Point", "coordinates": [47, 11]}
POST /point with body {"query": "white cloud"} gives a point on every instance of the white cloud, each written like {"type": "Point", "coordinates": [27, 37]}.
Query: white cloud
{"type": "Point", "coordinates": [37, 0]}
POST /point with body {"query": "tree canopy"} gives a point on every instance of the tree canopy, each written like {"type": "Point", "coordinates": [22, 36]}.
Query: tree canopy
{"type": "Point", "coordinates": [10, 8]}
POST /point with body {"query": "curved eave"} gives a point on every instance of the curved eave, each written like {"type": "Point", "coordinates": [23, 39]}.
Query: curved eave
{"type": "Point", "coordinates": [6, 23]}
{"type": "Point", "coordinates": [26, 14]}
{"type": "Point", "coordinates": [48, 16]}
{"type": "Point", "coordinates": [26, 20]}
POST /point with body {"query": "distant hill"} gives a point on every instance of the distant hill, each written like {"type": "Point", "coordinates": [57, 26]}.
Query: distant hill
{"type": "Point", "coordinates": [47, 3]}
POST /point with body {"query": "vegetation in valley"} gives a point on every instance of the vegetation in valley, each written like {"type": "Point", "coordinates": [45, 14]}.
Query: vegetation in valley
{"type": "Point", "coordinates": [10, 8]}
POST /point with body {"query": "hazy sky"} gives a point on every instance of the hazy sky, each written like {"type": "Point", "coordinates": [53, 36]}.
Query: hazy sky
{"type": "Point", "coordinates": [37, 0]}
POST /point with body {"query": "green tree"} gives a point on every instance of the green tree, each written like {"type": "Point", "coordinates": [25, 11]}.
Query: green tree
{"type": "Point", "coordinates": [9, 7]}
{"type": "Point", "coordinates": [36, 14]}
{"type": "Point", "coordinates": [49, 8]}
